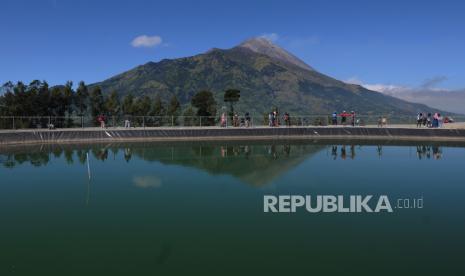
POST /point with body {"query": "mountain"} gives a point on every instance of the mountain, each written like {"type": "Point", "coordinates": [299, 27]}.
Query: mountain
{"type": "Point", "coordinates": [267, 76]}
{"type": "Point", "coordinates": [265, 47]}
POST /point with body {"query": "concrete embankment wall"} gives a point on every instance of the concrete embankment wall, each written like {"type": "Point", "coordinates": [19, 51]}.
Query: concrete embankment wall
{"type": "Point", "coordinates": [195, 134]}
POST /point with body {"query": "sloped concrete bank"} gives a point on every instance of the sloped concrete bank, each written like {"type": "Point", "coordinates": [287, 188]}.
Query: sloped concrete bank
{"type": "Point", "coordinates": [11, 137]}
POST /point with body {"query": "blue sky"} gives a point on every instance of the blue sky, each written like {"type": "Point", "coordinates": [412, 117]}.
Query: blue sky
{"type": "Point", "coordinates": [376, 42]}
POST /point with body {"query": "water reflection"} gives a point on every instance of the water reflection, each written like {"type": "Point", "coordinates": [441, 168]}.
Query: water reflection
{"type": "Point", "coordinates": [425, 152]}
{"type": "Point", "coordinates": [257, 163]}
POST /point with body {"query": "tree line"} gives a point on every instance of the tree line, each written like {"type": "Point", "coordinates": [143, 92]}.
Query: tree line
{"type": "Point", "coordinates": [39, 99]}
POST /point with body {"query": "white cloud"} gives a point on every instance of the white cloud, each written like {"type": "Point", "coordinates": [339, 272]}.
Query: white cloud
{"type": "Point", "coordinates": [273, 37]}
{"type": "Point", "coordinates": [146, 41]}
{"type": "Point", "coordinates": [389, 89]}
{"type": "Point", "coordinates": [427, 93]}
{"type": "Point", "coordinates": [354, 80]}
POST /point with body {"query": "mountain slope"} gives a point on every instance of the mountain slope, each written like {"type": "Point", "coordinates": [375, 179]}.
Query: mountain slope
{"type": "Point", "coordinates": [265, 47]}
{"type": "Point", "coordinates": [266, 76]}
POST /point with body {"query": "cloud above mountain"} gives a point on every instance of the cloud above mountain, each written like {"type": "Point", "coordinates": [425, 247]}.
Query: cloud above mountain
{"type": "Point", "coordinates": [433, 82]}
{"type": "Point", "coordinates": [273, 37]}
{"type": "Point", "coordinates": [428, 92]}
{"type": "Point", "coordinates": [145, 41]}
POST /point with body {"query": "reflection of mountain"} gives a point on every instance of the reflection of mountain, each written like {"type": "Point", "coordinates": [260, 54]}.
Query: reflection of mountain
{"type": "Point", "coordinates": [257, 165]}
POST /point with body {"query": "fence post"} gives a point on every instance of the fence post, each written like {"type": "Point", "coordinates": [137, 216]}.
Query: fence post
{"type": "Point", "coordinates": [172, 121]}
{"type": "Point", "coordinates": [82, 121]}
{"type": "Point", "coordinates": [200, 121]}
{"type": "Point", "coordinates": [14, 122]}
{"type": "Point", "coordinates": [143, 122]}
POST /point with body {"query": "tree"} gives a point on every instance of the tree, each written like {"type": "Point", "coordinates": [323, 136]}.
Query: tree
{"type": "Point", "coordinates": [68, 94]}
{"type": "Point", "coordinates": [188, 116]}
{"type": "Point", "coordinates": [174, 106]}
{"type": "Point", "coordinates": [81, 98]}
{"type": "Point", "coordinates": [43, 100]}
{"type": "Point", "coordinates": [231, 96]}
{"type": "Point", "coordinates": [56, 102]}
{"type": "Point", "coordinates": [7, 101]}
{"type": "Point", "coordinates": [157, 108]}
{"type": "Point", "coordinates": [19, 106]}
{"type": "Point", "coordinates": [173, 109]}
{"type": "Point", "coordinates": [142, 106]}
{"type": "Point", "coordinates": [112, 104]}
{"type": "Point", "coordinates": [206, 106]}
{"type": "Point", "coordinates": [128, 105]}
{"type": "Point", "coordinates": [97, 106]}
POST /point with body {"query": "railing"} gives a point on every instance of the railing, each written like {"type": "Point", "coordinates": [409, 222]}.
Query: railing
{"type": "Point", "coordinates": [38, 122]}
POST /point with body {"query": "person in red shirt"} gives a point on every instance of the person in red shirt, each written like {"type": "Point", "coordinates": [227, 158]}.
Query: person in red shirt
{"type": "Point", "coordinates": [344, 116]}
{"type": "Point", "coordinates": [101, 120]}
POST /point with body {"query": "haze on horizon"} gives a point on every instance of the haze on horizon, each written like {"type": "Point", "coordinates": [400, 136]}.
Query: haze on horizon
{"type": "Point", "coordinates": [410, 50]}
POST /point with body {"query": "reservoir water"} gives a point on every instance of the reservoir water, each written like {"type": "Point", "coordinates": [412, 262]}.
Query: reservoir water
{"type": "Point", "coordinates": [198, 209]}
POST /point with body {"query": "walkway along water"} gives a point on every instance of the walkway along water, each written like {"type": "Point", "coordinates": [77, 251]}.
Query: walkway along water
{"type": "Point", "coordinates": [8, 137]}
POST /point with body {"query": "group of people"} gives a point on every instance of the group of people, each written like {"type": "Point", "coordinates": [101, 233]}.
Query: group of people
{"type": "Point", "coordinates": [245, 121]}
{"type": "Point", "coordinates": [273, 119]}
{"type": "Point", "coordinates": [431, 120]}
{"type": "Point", "coordinates": [344, 118]}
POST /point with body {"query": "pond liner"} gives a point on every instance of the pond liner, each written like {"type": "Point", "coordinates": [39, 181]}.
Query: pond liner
{"type": "Point", "coordinates": [8, 137]}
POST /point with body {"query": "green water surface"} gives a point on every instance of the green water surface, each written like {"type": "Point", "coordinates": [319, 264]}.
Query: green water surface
{"type": "Point", "coordinates": [197, 209]}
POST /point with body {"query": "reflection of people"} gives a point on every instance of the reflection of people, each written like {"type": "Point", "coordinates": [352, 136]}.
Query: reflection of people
{"type": "Point", "coordinates": [424, 152]}
{"type": "Point", "coordinates": [287, 149]}
{"type": "Point", "coordinates": [127, 154]}
{"type": "Point", "coordinates": [352, 152]}
{"type": "Point", "coordinates": [334, 152]}
{"type": "Point", "coordinates": [272, 151]}
{"type": "Point", "coordinates": [437, 154]}
{"type": "Point", "coordinates": [247, 152]}
{"type": "Point", "coordinates": [380, 150]}
{"type": "Point", "coordinates": [236, 151]}
{"type": "Point", "coordinates": [428, 152]}
{"type": "Point", "coordinates": [419, 153]}
{"type": "Point", "coordinates": [343, 152]}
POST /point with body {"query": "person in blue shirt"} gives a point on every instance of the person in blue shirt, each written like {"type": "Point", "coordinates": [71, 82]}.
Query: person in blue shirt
{"type": "Point", "coordinates": [334, 118]}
